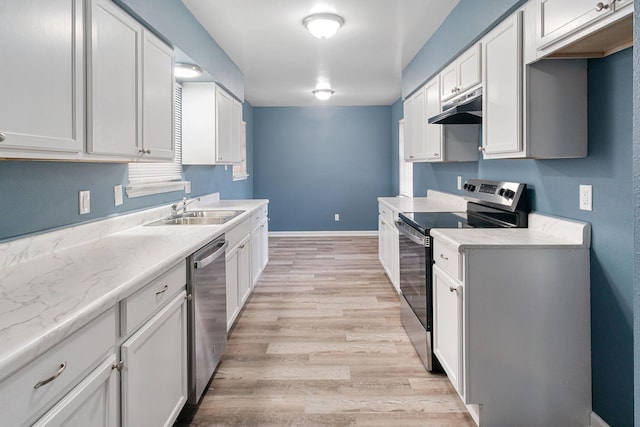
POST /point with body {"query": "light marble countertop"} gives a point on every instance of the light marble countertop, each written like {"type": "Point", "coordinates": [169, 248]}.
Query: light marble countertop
{"type": "Point", "coordinates": [544, 231]}
{"type": "Point", "coordinates": [435, 201]}
{"type": "Point", "coordinates": [53, 284]}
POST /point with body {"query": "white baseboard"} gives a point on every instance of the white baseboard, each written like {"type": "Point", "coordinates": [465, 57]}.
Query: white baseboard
{"type": "Point", "coordinates": [596, 421]}
{"type": "Point", "coordinates": [354, 233]}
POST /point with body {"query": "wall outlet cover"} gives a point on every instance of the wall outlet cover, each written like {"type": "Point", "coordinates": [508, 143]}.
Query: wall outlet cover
{"type": "Point", "coordinates": [336, 217]}
{"type": "Point", "coordinates": [459, 182]}
{"type": "Point", "coordinates": [187, 187]}
{"type": "Point", "coordinates": [117, 195]}
{"type": "Point", "coordinates": [586, 197]}
{"type": "Point", "coordinates": [84, 202]}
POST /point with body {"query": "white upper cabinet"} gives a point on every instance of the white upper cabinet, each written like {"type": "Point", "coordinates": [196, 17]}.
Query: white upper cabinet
{"type": "Point", "coordinates": [432, 132]}
{"type": "Point", "coordinates": [42, 101]}
{"type": "Point", "coordinates": [114, 81]}
{"type": "Point", "coordinates": [530, 111]}
{"type": "Point", "coordinates": [565, 24]}
{"type": "Point", "coordinates": [157, 97]}
{"type": "Point", "coordinates": [211, 125]}
{"type": "Point", "coordinates": [502, 97]}
{"type": "Point", "coordinates": [415, 122]}
{"type": "Point", "coordinates": [462, 74]}
{"type": "Point", "coordinates": [130, 87]}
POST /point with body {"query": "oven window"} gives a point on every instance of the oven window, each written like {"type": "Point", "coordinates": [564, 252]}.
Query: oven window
{"type": "Point", "coordinates": [413, 277]}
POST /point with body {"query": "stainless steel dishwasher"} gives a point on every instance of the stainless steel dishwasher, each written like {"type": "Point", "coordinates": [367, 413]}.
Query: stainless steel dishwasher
{"type": "Point", "coordinates": [206, 315]}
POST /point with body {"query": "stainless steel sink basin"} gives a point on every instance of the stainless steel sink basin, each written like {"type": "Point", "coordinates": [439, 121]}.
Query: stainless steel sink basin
{"type": "Point", "coordinates": [205, 217]}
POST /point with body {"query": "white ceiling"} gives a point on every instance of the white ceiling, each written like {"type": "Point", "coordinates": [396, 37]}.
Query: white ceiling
{"type": "Point", "coordinates": [282, 62]}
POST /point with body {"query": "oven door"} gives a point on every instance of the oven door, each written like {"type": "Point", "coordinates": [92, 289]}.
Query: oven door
{"type": "Point", "coordinates": [415, 272]}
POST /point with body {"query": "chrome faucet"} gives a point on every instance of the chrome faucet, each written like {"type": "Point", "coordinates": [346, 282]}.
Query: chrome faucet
{"type": "Point", "coordinates": [182, 205]}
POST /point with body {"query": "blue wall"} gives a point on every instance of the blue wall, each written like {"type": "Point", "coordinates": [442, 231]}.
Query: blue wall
{"type": "Point", "coordinates": [555, 191]}
{"type": "Point", "coordinates": [313, 162]}
{"type": "Point", "coordinates": [40, 196]}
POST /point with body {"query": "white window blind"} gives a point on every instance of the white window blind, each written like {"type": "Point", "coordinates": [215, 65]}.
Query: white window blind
{"type": "Point", "coordinates": [152, 178]}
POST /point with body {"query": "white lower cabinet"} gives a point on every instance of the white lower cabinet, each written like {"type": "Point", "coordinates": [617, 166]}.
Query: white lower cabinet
{"type": "Point", "coordinates": [388, 244]}
{"type": "Point", "coordinates": [447, 320]}
{"type": "Point", "coordinates": [238, 278]}
{"type": "Point", "coordinates": [92, 403]}
{"type": "Point", "coordinates": [154, 368]}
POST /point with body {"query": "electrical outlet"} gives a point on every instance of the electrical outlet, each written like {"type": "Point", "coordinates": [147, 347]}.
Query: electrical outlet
{"type": "Point", "coordinates": [117, 195]}
{"type": "Point", "coordinates": [187, 187]}
{"type": "Point", "coordinates": [586, 198]}
{"type": "Point", "coordinates": [459, 182]}
{"type": "Point", "coordinates": [84, 202]}
{"type": "Point", "coordinates": [336, 217]}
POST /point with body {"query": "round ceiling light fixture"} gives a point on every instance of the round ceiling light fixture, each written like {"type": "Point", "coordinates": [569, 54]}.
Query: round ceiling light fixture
{"type": "Point", "coordinates": [323, 94]}
{"type": "Point", "coordinates": [187, 71]}
{"type": "Point", "coordinates": [323, 25]}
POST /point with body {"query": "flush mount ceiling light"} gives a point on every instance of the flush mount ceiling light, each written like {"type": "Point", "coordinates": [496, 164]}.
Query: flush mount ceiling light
{"type": "Point", "coordinates": [323, 25]}
{"type": "Point", "coordinates": [323, 94]}
{"type": "Point", "coordinates": [187, 71]}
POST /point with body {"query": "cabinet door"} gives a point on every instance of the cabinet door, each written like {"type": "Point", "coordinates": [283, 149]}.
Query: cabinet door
{"type": "Point", "coordinates": [256, 256]}
{"type": "Point", "coordinates": [408, 127]}
{"type": "Point", "coordinates": [502, 97]}
{"type": "Point", "coordinates": [224, 126]}
{"type": "Point", "coordinates": [244, 270]}
{"type": "Point", "coordinates": [157, 98]}
{"type": "Point", "coordinates": [469, 71]}
{"type": "Point", "coordinates": [447, 326]}
{"type": "Point", "coordinates": [198, 123]}
{"type": "Point", "coordinates": [560, 18]}
{"type": "Point", "coordinates": [233, 307]}
{"type": "Point", "coordinates": [114, 76]}
{"type": "Point", "coordinates": [93, 402]}
{"type": "Point", "coordinates": [394, 256]}
{"type": "Point", "coordinates": [264, 230]}
{"type": "Point", "coordinates": [237, 132]}
{"type": "Point", "coordinates": [449, 81]}
{"type": "Point", "coordinates": [416, 146]}
{"type": "Point", "coordinates": [154, 377]}
{"type": "Point", "coordinates": [433, 132]}
{"type": "Point", "coordinates": [41, 106]}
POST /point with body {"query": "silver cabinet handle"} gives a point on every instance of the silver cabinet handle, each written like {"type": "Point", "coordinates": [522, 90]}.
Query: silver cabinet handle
{"type": "Point", "coordinates": [143, 151]}
{"type": "Point", "coordinates": [444, 257]}
{"type": "Point", "coordinates": [188, 297]}
{"type": "Point", "coordinates": [436, 154]}
{"type": "Point", "coordinates": [118, 366]}
{"type": "Point", "coordinates": [163, 290]}
{"type": "Point", "coordinates": [60, 370]}
{"type": "Point", "coordinates": [481, 149]}
{"type": "Point", "coordinates": [600, 6]}
{"type": "Point", "coordinates": [453, 289]}
{"type": "Point", "coordinates": [3, 137]}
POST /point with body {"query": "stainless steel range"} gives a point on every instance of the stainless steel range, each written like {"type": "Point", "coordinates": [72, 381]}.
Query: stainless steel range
{"type": "Point", "coordinates": [491, 204]}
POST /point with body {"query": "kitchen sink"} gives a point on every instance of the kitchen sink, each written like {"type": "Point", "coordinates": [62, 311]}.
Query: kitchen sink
{"type": "Point", "coordinates": [204, 217]}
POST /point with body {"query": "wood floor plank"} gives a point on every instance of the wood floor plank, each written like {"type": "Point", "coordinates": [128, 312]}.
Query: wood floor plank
{"type": "Point", "coordinates": [320, 343]}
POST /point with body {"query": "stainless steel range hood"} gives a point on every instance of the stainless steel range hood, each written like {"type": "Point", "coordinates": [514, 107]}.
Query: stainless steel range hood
{"type": "Point", "coordinates": [463, 110]}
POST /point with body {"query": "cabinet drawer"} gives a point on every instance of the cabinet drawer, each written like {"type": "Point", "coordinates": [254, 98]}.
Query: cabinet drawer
{"type": "Point", "coordinates": [447, 258]}
{"type": "Point", "coordinates": [257, 216]}
{"type": "Point", "coordinates": [388, 215]}
{"type": "Point", "coordinates": [237, 233]}
{"type": "Point", "coordinates": [141, 305]}
{"type": "Point", "coordinates": [71, 360]}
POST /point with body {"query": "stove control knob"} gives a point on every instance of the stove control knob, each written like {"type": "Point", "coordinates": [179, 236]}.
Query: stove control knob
{"type": "Point", "coordinates": [509, 194]}
{"type": "Point", "coordinates": [501, 192]}
{"type": "Point", "coordinates": [465, 186]}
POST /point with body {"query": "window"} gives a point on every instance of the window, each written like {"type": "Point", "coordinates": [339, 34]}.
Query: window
{"type": "Point", "coordinates": [153, 178]}
{"type": "Point", "coordinates": [240, 170]}
{"type": "Point", "coordinates": [405, 168]}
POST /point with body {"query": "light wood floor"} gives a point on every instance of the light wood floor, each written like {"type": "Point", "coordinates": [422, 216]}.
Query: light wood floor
{"type": "Point", "coordinates": [320, 344]}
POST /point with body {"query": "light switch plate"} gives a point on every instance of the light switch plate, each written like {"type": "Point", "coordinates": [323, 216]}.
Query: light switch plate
{"type": "Point", "coordinates": [336, 217]}
{"type": "Point", "coordinates": [187, 187]}
{"type": "Point", "coordinates": [117, 195]}
{"type": "Point", "coordinates": [586, 198]}
{"type": "Point", "coordinates": [459, 182]}
{"type": "Point", "coordinates": [84, 202]}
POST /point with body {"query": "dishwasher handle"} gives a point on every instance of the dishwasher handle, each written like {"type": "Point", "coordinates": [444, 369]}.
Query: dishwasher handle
{"type": "Point", "coordinates": [408, 232]}
{"type": "Point", "coordinates": [201, 263]}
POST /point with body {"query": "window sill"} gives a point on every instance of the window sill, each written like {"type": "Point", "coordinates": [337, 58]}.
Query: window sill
{"type": "Point", "coordinates": [240, 177]}
{"type": "Point", "coordinates": [147, 189]}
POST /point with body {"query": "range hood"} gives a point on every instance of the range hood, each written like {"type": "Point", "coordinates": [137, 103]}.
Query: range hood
{"type": "Point", "coordinates": [463, 110]}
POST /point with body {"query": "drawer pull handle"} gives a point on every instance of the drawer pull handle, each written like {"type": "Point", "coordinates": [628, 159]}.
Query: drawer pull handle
{"type": "Point", "coordinates": [601, 6]}
{"type": "Point", "coordinates": [118, 366]}
{"type": "Point", "coordinates": [2, 137]}
{"type": "Point", "coordinates": [60, 370]}
{"type": "Point", "coordinates": [188, 297]}
{"type": "Point", "coordinates": [453, 289]}
{"type": "Point", "coordinates": [444, 257]}
{"type": "Point", "coordinates": [163, 290]}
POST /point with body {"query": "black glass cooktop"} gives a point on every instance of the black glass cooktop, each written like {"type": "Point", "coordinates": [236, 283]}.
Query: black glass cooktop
{"type": "Point", "coordinates": [424, 221]}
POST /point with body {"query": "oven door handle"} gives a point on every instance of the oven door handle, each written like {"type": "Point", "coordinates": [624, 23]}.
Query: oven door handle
{"type": "Point", "coordinates": [400, 225]}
